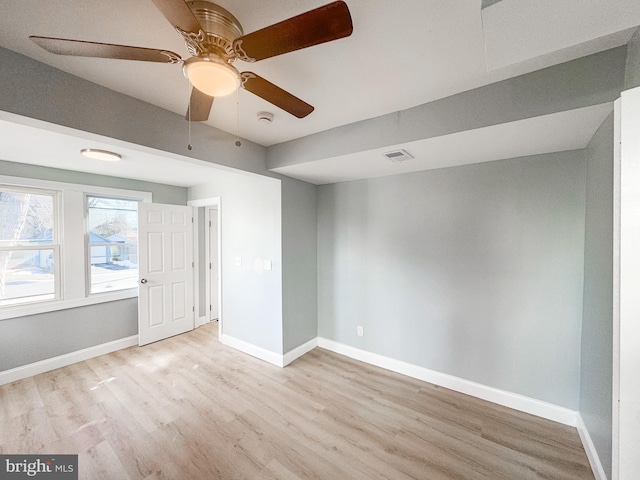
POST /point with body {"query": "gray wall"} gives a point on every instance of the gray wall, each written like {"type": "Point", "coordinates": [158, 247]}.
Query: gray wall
{"type": "Point", "coordinates": [632, 66]}
{"type": "Point", "coordinates": [25, 340]}
{"type": "Point", "coordinates": [592, 80]}
{"type": "Point", "coordinates": [33, 89]}
{"type": "Point", "coordinates": [299, 275]}
{"type": "Point", "coordinates": [36, 90]}
{"type": "Point", "coordinates": [473, 271]}
{"type": "Point", "coordinates": [251, 228]}
{"type": "Point", "coordinates": [597, 324]}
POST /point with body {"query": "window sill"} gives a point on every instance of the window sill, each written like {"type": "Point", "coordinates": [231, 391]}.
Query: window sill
{"type": "Point", "coordinates": [52, 306]}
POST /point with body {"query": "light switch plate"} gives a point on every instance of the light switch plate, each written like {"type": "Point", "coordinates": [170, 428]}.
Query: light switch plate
{"type": "Point", "coordinates": [238, 261]}
{"type": "Point", "coordinates": [267, 265]}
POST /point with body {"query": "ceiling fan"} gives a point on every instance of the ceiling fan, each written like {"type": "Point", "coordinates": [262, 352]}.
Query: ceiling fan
{"type": "Point", "coordinates": [215, 39]}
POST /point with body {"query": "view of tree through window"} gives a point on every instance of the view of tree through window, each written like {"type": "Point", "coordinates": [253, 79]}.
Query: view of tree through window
{"type": "Point", "coordinates": [28, 246]}
{"type": "Point", "coordinates": [113, 243]}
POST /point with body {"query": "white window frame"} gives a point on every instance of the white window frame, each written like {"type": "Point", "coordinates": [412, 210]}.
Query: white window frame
{"type": "Point", "coordinates": [54, 247]}
{"type": "Point", "coordinates": [72, 239]}
{"type": "Point", "coordinates": [88, 245]}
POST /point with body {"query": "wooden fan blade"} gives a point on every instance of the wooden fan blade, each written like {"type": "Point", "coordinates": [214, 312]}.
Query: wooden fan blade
{"type": "Point", "coordinates": [80, 48]}
{"type": "Point", "coordinates": [179, 15]}
{"type": "Point", "coordinates": [331, 22]}
{"type": "Point", "coordinates": [199, 106]}
{"type": "Point", "coordinates": [275, 95]}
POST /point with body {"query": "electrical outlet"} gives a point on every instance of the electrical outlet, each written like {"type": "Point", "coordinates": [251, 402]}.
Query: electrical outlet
{"type": "Point", "coordinates": [238, 261]}
{"type": "Point", "coordinates": [360, 331]}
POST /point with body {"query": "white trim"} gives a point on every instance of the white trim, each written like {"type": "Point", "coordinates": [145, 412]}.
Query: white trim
{"type": "Point", "coordinates": [299, 351]}
{"type": "Point", "coordinates": [197, 319]}
{"type": "Point", "coordinates": [60, 361]}
{"type": "Point", "coordinates": [71, 240]}
{"type": "Point", "coordinates": [204, 202]}
{"type": "Point", "coordinates": [501, 397]}
{"type": "Point", "coordinates": [54, 305]}
{"type": "Point", "coordinates": [590, 449]}
{"type": "Point", "coordinates": [267, 355]}
{"type": "Point", "coordinates": [207, 202]}
{"type": "Point", "coordinates": [209, 259]}
{"type": "Point", "coordinates": [617, 203]}
{"type": "Point", "coordinates": [626, 412]}
{"type": "Point", "coordinates": [253, 350]}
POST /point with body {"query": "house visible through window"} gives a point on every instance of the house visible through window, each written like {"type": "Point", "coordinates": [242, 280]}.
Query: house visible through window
{"type": "Point", "coordinates": [29, 248]}
{"type": "Point", "coordinates": [113, 243]}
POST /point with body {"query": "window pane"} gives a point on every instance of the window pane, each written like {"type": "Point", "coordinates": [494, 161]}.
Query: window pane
{"type": "Point", "coordinates": [113, 243]}
{"type": "Point", "coordinates": [112, 220]}
{"type": "Point", "coordinates": [26, 218]}
{"type": "Point", "coordinates": [26, 276]}
{"type": "Point", "coordinates": [112, 269]}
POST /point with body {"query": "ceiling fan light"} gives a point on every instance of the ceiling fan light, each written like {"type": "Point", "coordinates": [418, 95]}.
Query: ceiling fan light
{"type": "Point", "coordinates": [212, 75]}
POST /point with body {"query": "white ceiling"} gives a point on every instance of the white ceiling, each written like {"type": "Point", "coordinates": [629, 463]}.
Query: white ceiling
{"type": "Point", "coordinates": [532, 136]}
{"type": "Point", "coordinates": [33, 142]}
{"type": "Point", "coordinates": [401, 54]}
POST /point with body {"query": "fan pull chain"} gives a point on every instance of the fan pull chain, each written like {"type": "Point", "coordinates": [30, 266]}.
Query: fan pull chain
{"type": "Point", "coordinates": [238, 143]}
{"type": "Point", "coordinates": [189, 146]}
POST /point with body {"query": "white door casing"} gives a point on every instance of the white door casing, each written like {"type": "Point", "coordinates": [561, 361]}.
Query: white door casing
{"type": "Point", "coordinates": [165, 301]}
{"type": "Point", "coordinates": [626, 349]}
{"type": "Point", "coordinates": [213, 264]}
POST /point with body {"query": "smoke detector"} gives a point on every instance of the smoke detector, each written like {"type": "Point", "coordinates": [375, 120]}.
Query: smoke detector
{"type": "Point", "coordinates": [398, 155]}
{"type": "Point", "coordinates": [265, 117]}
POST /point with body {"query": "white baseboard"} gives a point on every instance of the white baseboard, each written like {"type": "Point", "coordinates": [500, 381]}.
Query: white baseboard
{"type": "Point", "coordinates": [254, 351]}
{"type": "Point", "coordinates": [297, 352]}
{"type": "Point", "coordinates": [501, 397]}
{"type": "Point", "coordinates": [49, 364]}
{"type": "Point", "coordinates": [267, 355]}
{"type": "Point", "coordinates": [590, 449]}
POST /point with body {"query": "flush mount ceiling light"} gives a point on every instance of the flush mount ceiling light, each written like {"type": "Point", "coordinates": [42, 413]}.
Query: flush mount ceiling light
{"type": "Point", "coordinates": [103, 155]}
{"type": "Point", "coordinates": [211, 75]}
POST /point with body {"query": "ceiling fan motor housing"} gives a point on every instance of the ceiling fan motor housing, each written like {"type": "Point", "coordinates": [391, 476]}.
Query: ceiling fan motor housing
{"type": "Point", "coordinates": [220, 27]}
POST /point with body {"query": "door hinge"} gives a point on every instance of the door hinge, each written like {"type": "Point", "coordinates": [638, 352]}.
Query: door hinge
{"type": "Point", "coordinates": [209, 223]}
{"type": "Point", "coordinates": [210, 308]}
{"type": "Point", "coordinates": [191, 219]}
{"type": "Point", "coordinates": [193, 264]}
{"type": "Point", "coordinates": [209, 265]}
{"type": "Point", "coordinates": [193, 309]}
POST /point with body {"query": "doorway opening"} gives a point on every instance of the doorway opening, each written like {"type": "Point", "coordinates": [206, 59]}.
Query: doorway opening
{"type": "Point", "coordinates": [208, 261]}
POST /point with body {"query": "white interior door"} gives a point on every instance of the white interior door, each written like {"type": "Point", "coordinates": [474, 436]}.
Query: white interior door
{"type": "Point", "coordinates": [214, 281]}
{"type": "Point", "coordinates": [165, 299]}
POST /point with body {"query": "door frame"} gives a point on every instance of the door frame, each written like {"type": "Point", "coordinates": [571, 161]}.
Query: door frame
{"type": "Point", "coordinates": [207, 202]}
{"type": "Point", "coordinates": [208, 258]}
{"type": "Point", "coordinates": [626, 281]}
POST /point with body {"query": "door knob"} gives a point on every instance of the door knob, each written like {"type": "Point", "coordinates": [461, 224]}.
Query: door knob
{"type": "Point", "coordinates": [144, 280]}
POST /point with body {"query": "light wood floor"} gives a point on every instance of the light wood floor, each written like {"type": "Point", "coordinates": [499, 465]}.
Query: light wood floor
{"type": "Point", "coordinates": [191, 408]}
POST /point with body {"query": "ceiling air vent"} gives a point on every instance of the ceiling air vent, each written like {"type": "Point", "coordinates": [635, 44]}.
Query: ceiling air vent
{"type": "Point", "coordinates": [398, 155]}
